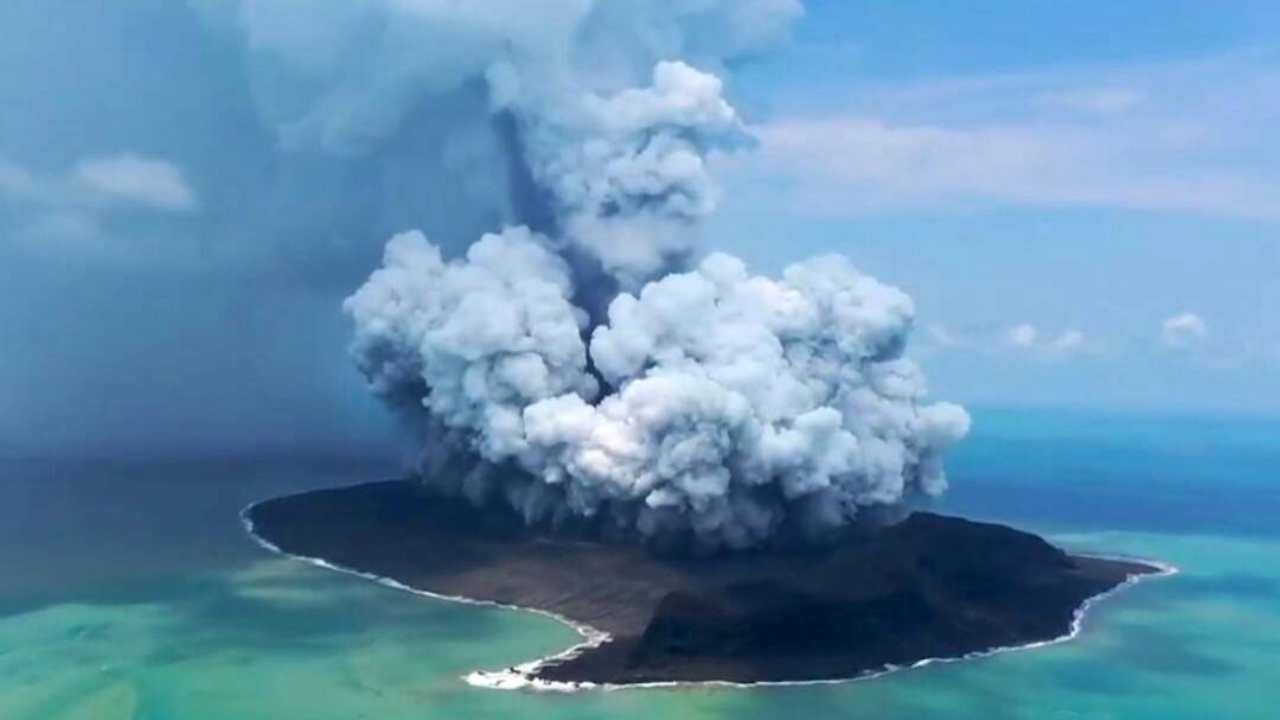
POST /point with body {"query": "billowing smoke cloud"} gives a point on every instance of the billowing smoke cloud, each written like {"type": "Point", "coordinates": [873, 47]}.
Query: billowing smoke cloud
{"type": "Point", "coordinates": [712, 400]}
{"type": "Point", "coordinates": [579, 353]}
{"type": "Point", "coordinates": [488, 335]}
{"type": "Point", "coordinates": [626, 173]}
{"type": "Point", "coordinates": [607, 134]}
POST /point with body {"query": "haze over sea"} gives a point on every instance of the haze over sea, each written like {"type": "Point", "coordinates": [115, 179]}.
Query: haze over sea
{"type": "Point", "coordinates": [129, 590]}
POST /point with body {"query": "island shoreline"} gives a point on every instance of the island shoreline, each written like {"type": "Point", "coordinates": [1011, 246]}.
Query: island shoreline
{"type": "Point", "coordinates": [523, 676]}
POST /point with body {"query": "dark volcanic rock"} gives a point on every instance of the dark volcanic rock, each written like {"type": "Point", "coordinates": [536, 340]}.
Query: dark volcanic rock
{"type": "Point", "coordinates": [930, 586]}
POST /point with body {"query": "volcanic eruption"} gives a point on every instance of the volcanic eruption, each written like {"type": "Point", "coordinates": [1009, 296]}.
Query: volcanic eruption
{"type": "Point", "coordinates": [592, 362]}
{"type": "Point", "coordinates": [582, 363]}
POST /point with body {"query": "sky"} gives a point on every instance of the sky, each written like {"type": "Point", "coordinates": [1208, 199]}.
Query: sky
{"type": "Point", "coordinates": [1081, 198]}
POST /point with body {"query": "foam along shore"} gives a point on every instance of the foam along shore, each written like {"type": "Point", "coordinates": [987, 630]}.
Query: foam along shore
{"type": "Point", "coordinates": [932, 588]}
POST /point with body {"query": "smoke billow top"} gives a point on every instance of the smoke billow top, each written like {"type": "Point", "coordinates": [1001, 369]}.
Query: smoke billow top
{"type": "Point", "coordinates": [580, 360]}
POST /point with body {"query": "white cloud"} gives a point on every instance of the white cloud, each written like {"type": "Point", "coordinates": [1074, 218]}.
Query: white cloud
{"type": "Point", "coordinates": [1023, 335]}
{"type": "Point", "coordinates": [940, 336]}
{"type": "Point", "coordinates": [1189, 137]}
{"type": "Point", "coordinates": [15, 181]}
{"type": "Point", "coordinates": [134, 179]}
{"type": "Point", "coordinates": [1068, 341]}
{"type": "Point", "coordinates": [862, 163]}
{"type": "Point", "coordinates": [100, 183]}
{"type": "Point", "coordinates": [1027, 337]}
{"type": "Point", "coordinates": [1183, 331]}
{"type": "Point", "coordinates": [1099, 101]}
{"type": "Point", "coordinates": [70, 209]}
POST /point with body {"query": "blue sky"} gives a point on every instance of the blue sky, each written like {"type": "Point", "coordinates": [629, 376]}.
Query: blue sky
{"type": "Point", "coordinates": [1083, 198]}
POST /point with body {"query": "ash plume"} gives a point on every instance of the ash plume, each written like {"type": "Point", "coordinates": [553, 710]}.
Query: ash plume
{"type": "Point", "coordinates": [579, 360]}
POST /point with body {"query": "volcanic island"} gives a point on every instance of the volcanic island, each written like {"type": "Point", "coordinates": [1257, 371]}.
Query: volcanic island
{"type": "Point", "coordinates": [928, 587]}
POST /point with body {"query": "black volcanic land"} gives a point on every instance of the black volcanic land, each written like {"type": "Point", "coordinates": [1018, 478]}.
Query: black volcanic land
{"type": "Point", "coordinates": [930, 586]}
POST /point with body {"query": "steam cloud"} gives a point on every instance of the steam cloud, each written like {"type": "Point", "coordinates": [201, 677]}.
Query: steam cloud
{"type": "Point", "coordinates": [579, 361]}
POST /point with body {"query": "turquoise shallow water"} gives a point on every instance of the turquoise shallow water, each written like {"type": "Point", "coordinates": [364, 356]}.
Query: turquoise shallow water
{"type": "Point", "coordinates": [129, 591]}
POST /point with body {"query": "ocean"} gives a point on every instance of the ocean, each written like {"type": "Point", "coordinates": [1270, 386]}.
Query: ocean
{"type": "Point", "coordinates": [128, 589]}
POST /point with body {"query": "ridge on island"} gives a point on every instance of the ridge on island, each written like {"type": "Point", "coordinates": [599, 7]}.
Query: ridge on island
{"type": "Point", "coordinates": [931, 586]}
